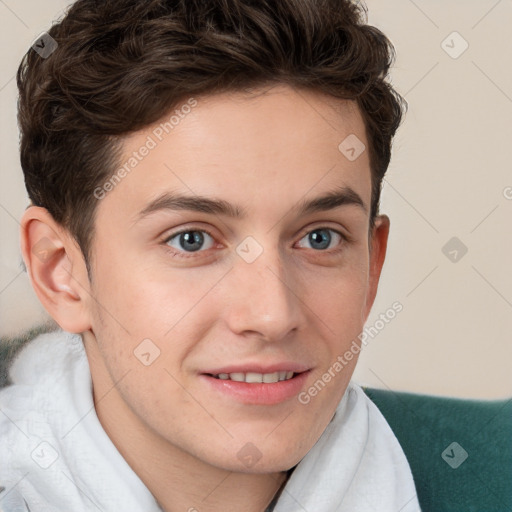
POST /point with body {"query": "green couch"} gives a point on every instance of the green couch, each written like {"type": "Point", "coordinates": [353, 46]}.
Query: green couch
{"type": "Point", "coordinates": [460, 451]}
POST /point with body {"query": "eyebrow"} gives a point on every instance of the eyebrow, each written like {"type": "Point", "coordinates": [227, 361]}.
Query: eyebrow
{"type": "Point", "coordinates": [342, 196]}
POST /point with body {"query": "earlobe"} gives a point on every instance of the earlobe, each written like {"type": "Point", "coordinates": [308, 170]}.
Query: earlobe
{"type": "Point", "coordinates": [56, 269]}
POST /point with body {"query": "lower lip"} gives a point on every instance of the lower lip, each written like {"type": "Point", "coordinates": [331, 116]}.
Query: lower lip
{"type": "Point", "coordinates": [256, 393]}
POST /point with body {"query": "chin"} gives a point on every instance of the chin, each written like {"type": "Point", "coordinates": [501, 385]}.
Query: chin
{"type": "Point", "coordinates": [254, 458]}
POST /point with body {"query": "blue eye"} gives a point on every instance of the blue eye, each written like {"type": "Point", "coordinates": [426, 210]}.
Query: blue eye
{"type": "Point", "coordinates": [321, 238]}
{"type": "Point", "coordinates": [190, 240]}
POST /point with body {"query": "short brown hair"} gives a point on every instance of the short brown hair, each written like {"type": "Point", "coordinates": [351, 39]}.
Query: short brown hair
{"type": "Point", "coordinates": [121, 65]}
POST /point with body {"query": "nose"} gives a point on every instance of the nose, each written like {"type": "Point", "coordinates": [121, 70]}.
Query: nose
{"type": "Point", "coordinates": [264, 298]}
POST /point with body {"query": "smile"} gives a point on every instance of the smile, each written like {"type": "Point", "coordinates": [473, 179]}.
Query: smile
{"type": "Point", "coordinates": [256, 378]}
{"type": "Point", "coordinates": [256, 388]}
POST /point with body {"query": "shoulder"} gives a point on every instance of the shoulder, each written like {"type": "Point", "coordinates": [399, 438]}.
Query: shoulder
{"type": "Point", "coordinates": [40, 374]}
{"type": "Point", "coordinates": [44, 356]}
{"type": "Point", "coordinates": [45, 375]}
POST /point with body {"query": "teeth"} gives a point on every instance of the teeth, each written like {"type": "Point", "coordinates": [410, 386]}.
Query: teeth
{"type": "Point", "coordinates": [270, 377]}
{"type": "Point", "coordinates": [253, 377]}
{"type": "Point", "coordinates": [238, 377]}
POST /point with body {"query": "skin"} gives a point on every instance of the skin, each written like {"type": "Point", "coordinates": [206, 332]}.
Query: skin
{"type": "Point", "coordinates": [210, 308]}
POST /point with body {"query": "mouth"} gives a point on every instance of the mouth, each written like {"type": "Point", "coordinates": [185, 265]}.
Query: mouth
{"type": "Point", "coordinates": [254, 377]}
{"type": "Point", "coordinates": [253, 388]}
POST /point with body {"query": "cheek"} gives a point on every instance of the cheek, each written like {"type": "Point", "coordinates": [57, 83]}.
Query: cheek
{"type": "Point", "coordinates": [339, 298]}
{"type": "Point", "coordinates": [153, 318]}
{"type": "Point", "coordinates": [140, 296]}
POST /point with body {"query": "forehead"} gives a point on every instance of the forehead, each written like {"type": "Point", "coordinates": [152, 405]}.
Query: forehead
{"type": "Point", "coordinates": [271, 146]}
{"type": "Point", "coordinates": [268, 121]}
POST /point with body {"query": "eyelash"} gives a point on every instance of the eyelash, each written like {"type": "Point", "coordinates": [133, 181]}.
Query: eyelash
{"type": "Point", "coordinates": [181, 254]}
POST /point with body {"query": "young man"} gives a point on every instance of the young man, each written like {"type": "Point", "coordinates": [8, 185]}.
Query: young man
{"type": "Point", "coordinates": [204, 229]}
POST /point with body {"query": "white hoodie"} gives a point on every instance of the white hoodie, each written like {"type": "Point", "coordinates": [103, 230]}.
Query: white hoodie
{"type": "Point", "coordinates": [55, 455]}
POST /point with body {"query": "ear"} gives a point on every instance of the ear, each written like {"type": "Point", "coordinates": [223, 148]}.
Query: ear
{"type": "Point", "coordinates": [56, 269]}
{"type": "Point", "coordinates": [378, 244]}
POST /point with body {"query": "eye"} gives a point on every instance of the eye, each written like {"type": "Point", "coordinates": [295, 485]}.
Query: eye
{"type": "Point", "coordinates": [190, 240]}
{"type": "Point", "coordinates": [321, 238]}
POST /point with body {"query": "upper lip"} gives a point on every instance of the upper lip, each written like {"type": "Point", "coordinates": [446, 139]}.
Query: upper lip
{"type": "Point", "coordinates": [287, 366]}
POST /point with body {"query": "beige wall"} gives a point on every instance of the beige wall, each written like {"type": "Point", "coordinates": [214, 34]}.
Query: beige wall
{"type": "Point", "coordinates": [448, 178]}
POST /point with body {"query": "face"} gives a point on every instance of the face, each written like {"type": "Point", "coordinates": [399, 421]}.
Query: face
{"type": "Point", "coordinates": [238, 277]}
